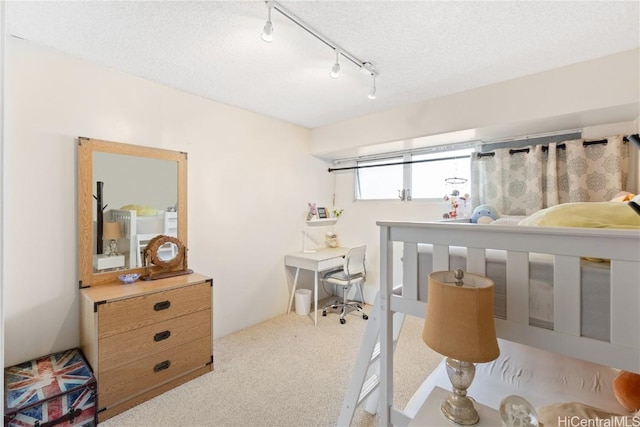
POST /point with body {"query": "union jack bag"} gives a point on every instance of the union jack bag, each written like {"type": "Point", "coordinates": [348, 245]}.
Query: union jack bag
{"type": "Point", "coordinates": [54, 390]}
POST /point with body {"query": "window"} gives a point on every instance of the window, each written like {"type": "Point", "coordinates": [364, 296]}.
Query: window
{"type": "Point", "coordinates": [379, 183]}
{"type": "Point", "coordinates": [428, 178]}
{"type": "Point", "coordinates": [421, 176]}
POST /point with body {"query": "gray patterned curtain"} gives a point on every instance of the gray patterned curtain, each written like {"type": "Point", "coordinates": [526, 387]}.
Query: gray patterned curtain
{"type": "Point", "coordinates": [521, 183]}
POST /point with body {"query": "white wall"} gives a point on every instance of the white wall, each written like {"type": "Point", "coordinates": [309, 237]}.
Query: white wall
{"type": "Point", "coordinates": [250, 178]}
{"type": "Point", "coordinates": [590, 93]}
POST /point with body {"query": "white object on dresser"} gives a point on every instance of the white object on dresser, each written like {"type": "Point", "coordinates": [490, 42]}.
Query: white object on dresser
{"type": "Point", "coordinates": [430, 414]}
{"type": "Point", "coordinates": [103, 262]}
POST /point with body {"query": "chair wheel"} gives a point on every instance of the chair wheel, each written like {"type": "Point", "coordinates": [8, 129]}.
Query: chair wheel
{"type": "Point", "coordinates": [365, 317]}
{"type": "Point", "coordinates": [343, 321]}
{"type": "Point", "coordinates": [324, 313]}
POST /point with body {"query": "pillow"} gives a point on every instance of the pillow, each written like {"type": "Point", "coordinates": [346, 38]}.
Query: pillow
{"type": "Point", "coordinates": [574, 413]}
{"type": "Point", "coordinates": [585, 214]}
{"type": "Point", "coordinates": [512, 220]}
{"type": "Point", "coordinates": [141, 210]}
{"type": "Point", "coordinates": [626, 388]}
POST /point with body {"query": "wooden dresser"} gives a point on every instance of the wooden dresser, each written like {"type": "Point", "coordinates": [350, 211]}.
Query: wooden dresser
{"type": "Point", "coordinates": [145, 338]}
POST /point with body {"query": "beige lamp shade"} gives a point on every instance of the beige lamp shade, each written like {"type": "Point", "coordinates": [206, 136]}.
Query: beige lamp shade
{"type": "Point", "coordinates": [111, 231]}
{"type": "Point", "coordinates": [459, 322]}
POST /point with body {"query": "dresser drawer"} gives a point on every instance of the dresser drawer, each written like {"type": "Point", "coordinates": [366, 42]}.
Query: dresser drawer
{"type": "Point", "coordinates": [140, 375]}
{"type": "Point", "coordinates": [132, 313]}
{"type": "Point", "coordinates": [118, 350]}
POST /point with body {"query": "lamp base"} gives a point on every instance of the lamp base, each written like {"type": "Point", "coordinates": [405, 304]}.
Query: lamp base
{"type": "Point", "coordinates": [458, 408]}
{"type": "Point", "coordinates": [112, 249]}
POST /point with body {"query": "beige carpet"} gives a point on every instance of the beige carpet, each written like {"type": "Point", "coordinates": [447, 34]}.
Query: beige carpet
{"type": "Point", "coordinates": [283, 372]}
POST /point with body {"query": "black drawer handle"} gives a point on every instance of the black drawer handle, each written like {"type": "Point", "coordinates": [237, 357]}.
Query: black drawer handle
{"type": "Point", "coordinates": [160, 336]}
{"type": "Point", "coordinates": [162, 366]}
{"type": "Point", "coordinates": [162, 305]}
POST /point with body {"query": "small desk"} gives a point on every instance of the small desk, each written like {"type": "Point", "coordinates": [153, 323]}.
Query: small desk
{"type": "Point", "coordinates": [323, 260]}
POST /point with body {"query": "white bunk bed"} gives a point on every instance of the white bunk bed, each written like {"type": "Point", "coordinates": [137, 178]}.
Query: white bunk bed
{"type": "Point", "coordinates": [138, 230]}
{"type": "Point", "coordinates": [567, 246]}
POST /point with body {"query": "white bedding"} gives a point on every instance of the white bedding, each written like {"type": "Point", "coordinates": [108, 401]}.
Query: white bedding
{"type": "Point", "coordinates": [539, 376]}
{"type": "Point", "coordinates": [595, 294]}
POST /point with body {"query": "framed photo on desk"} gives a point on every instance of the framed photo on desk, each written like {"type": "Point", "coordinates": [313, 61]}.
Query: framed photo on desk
{"type": "Point", "coordinates": [322, 213]}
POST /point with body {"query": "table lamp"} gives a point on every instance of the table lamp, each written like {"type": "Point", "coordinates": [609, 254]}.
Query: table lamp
{"type": "Point", "coordinates": [459, 325]}
{"type": "Point", "coordinates": [111, 231]}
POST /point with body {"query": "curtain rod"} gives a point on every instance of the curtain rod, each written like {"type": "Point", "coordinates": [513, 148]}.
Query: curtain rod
{"type": "Point", "coordinates": [559, 146]}
{"type": "Point", "coordinates": [397, 163]}
{"type": "Point", "coordinates": [458, 145]}
{"type": "Point", "coordinates": [562, 146]}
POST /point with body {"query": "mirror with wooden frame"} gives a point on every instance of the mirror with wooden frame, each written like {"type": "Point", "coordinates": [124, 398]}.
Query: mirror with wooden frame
{"type": "Point", "coordinates": [127, 195]}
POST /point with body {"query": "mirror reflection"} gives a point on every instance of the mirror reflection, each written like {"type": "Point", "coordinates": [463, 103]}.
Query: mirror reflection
{"type": "Point", "coordinates": [168, 251]}
{"type": "Point", "coordinates": [135, 199]}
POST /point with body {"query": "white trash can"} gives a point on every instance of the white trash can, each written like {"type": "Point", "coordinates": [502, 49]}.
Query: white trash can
{"type": "Point", "coordinates": [303, 301]}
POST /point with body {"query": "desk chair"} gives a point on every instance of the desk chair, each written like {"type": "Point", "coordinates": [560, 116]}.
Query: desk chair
{"type": "Point", "coordinates": [353, 272]}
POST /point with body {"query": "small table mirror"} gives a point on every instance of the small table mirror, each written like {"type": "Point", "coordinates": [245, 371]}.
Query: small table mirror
{"type": "Point", "coordinates": [165, 256]}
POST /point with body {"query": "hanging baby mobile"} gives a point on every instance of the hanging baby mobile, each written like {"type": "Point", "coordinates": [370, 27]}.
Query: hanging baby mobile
{"type": "Point", "coordinates": [457, 201]}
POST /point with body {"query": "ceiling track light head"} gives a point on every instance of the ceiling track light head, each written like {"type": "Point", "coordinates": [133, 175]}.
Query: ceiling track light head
{"type": "Point", "coordinates": [335, 70]}
{"type": "Point", "coordinates": [372, 92]}
{"type": "Point", "coordinates": [267, 32]}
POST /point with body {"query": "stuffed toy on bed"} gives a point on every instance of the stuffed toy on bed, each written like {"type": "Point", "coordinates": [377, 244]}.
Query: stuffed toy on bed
{"type": "Point", "coordinates": [626, 388]}
{"type": "Point", "coordinates": [484, 214]}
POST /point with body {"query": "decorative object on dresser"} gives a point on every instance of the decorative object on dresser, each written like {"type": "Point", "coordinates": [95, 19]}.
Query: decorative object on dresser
{"type": "Point", "coordinates": [159, 266]}
{"type": "Point", "coordinates": [128, 278]}
{"type": "Point", "coordinates": [459, 325]}
{"type": "Point", "coordinates": [141, 338]}
{"type": "Point", "coordinates": [112, 232]}
{"type": "Point", "coordinates": [111, 259]}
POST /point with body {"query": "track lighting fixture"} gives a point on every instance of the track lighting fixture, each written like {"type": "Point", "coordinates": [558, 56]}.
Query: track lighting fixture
{"type": "Point", "coordinates": [267, 32]}
{"type": "Point", "coordinates": [335, 71]}
{"type": "Point", "coordinates": [372, 92]}
{"type": "Point", "coordinates": [367, 67]}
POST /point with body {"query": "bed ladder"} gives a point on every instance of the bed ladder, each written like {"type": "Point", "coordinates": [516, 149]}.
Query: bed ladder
{"type": "Point", "coordinates": [360, 387]}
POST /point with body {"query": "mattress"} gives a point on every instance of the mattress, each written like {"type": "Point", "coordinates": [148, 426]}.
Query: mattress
{"type": "Point", "coordinates": [594, 288]}
{"type": "Point", "coordinates": [541, 377]}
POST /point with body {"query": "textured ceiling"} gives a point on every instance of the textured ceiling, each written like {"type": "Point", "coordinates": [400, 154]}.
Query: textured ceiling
{"type": "Point", "coordinates": [422, 49]}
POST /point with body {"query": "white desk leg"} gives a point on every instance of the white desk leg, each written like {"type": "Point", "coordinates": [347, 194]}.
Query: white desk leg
{"type": "Point", "coordinates": [293, 290]}
{"type": "Point", "coordinates": [315, 299]}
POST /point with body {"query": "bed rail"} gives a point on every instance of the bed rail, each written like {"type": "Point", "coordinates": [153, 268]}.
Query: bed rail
{"type": "Point", "coordinates": [566, 245]}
